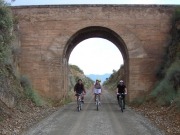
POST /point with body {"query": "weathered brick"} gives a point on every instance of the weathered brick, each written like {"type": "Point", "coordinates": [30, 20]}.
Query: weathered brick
{"type": "Point", "coordinates": [48, 35]}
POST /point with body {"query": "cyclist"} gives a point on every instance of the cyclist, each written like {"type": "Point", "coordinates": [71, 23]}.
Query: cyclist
{"type": "Point", "coordinates": [79, 89]}
{"type": "Point", "coordinates": [97, 89]}
{"type": "Point", "coordinates": [121, 88]}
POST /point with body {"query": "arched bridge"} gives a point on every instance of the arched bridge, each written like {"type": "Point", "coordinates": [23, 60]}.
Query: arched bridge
{"type": "Point", "coordinates": [48, 34]}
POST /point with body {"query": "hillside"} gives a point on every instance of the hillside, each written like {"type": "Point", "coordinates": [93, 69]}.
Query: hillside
{"type": "Point", "coordinates": [75, 74]}
{"type": "Point", "coordinates": [114, 78]}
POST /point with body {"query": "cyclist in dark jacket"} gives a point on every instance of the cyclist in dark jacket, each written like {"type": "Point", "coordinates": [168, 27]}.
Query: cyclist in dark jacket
{"type": "Point", "coordinates": [121, 88]}
{"type": "Point", "coordinates": [79, 89]}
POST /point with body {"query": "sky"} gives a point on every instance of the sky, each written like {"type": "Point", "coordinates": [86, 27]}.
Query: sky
{"type": "Point", "coordinates": [95, 55]}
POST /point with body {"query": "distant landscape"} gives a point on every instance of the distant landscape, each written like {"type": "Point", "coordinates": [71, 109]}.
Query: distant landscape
{"type": "Point", "coordinates": [101, 77]}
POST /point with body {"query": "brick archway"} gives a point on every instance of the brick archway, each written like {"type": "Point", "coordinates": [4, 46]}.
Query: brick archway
{"type": "Point", "coordinates": [100, 32]}
{"type": "Point", "coordinates": [48, 34]}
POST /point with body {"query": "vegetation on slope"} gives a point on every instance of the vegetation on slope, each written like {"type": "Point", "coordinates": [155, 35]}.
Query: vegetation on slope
{"type": "Point", "coordinates": [167, 90]}
{"type": "Point", "coordinates": [75, 74]}
{"type": "Point", "coordinates": [14, 88]}
{"type": "Point", "coordinates": [113, 80]}
{"type": "Point", "coordinates": [9, 84]}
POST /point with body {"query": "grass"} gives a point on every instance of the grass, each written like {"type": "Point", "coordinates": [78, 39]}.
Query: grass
{"type": "Point", "coordinates": [30, 92]}
{"type": "Point", "coordinates": [165, 92]}
{"type": "Point", "coordinates": [177, 101]}
{"type": "Point", "coordinates": [1, 118]}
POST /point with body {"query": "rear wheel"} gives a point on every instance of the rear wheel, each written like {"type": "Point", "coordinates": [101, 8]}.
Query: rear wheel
{"type": "Point", "coordinates": [79, 105]}
{"type": "Point", "coordinates": [97, 105]}
{"type": "Point", "coordinates": [97, 102]}
{"type": "Point", "coordinates": [121, 104]}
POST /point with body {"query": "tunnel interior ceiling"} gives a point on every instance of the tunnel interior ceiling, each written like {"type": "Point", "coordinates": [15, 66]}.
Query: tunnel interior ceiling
{"type": "Point", "coordinates": [96, 32]}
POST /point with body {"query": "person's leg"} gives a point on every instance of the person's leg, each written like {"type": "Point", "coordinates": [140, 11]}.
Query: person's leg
{"type": "Point", "coordinates": [124, 102]}
{"type": "Point", "coordinates": [95, 97]}
{"type": "Point", "coordinates": [77, 100]}
{"type": "Point", "coordinates": [118, 98]}
{"type": "Point", "coordinates": [95, 91]}
{"type": "Point", "coordinates": [99, 92]}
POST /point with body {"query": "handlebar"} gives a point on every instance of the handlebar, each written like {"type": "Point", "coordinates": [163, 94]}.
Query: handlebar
{"type": "Point", "coordinates": [121, 93]}
{"type": "Point", "coordinates": [77, 94]}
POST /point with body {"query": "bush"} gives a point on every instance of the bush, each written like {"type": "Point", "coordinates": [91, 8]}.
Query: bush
{"type": "Point", "coordinates": [29, 91]}
{"type": "Point", "coordinates": [165, 91]}
{"type": "Point", "coordinates": [177, 100]}
{"type": "Point", "coordinates": [6, 24]}
{"type": "Point", "coordinates": [177, 13]}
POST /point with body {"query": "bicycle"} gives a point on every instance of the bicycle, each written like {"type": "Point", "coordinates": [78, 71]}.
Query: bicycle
{"type": "Point", "coordinates": [79, 101]}
{"type": "Point", "coordinates": [121, 101]}
{"type": "Point", "coordinates": [97, 101]}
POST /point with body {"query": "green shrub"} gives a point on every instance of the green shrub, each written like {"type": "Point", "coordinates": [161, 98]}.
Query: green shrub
{"type": "Point", "coordinates": [166, 95]}
{"type": "Point", "coordinates": [165, 91]}
{"type": "Point", "coordinates": [177, 100]}
{"type": "Point", "coordinates": [177, 13]}
{"type": "Point", "coordinates": [30, 92]}
{"type": "Point", "coordinates": [6, 24]}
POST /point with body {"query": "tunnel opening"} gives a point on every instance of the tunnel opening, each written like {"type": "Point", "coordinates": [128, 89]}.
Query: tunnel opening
{"type": "Point", "coordinates": [98, 32]}
{"type": "Point", "coordinates": [97, 57]}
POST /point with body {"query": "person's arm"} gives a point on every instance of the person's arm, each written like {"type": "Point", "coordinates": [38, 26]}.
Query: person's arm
{"type": "Point", "coordinates": [125, 90]}
{"type": "Point", "coordinates": [117, 89]}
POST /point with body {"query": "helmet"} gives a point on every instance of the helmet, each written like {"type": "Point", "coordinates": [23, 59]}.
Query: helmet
{"type": "Point", "coordinates": [121, 81]}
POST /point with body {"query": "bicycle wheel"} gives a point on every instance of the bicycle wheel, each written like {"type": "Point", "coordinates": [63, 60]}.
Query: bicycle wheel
{"type": "Point", "coordinates": [97, 102]}
{"type": "Point", "coordinates": [79, 106]}
{"type": "Point", "coordinates": [97, 105]}
{"type": "Point", "coordinates": [121, 104]}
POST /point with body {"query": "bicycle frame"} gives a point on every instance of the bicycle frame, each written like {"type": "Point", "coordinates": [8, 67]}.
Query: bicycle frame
{"type": "Point", "coordinates": [97, 101]}
{"type": "Point", "coordinates": [79, 102]}
{"type": "Point", "coordinates": [121, 102]}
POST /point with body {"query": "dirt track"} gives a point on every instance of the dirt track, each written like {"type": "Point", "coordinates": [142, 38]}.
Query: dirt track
{"type": "Point", "coordinates": [109, 120]}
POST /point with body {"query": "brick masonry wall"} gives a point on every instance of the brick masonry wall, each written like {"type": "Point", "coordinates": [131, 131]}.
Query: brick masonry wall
{"type": "Point", "coordinates": [45, 31]}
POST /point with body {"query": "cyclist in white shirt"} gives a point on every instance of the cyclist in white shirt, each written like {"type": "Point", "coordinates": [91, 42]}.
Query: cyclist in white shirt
{"type": "Point", "coordinates": [97, 88]}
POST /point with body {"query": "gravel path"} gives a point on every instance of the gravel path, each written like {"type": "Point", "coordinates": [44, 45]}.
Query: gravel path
{"type": "Point", "coordinates": [109, 120]}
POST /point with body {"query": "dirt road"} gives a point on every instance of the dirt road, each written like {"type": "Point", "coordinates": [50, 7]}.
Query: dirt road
{"type": "Point", "coordinates": [109, 120]}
